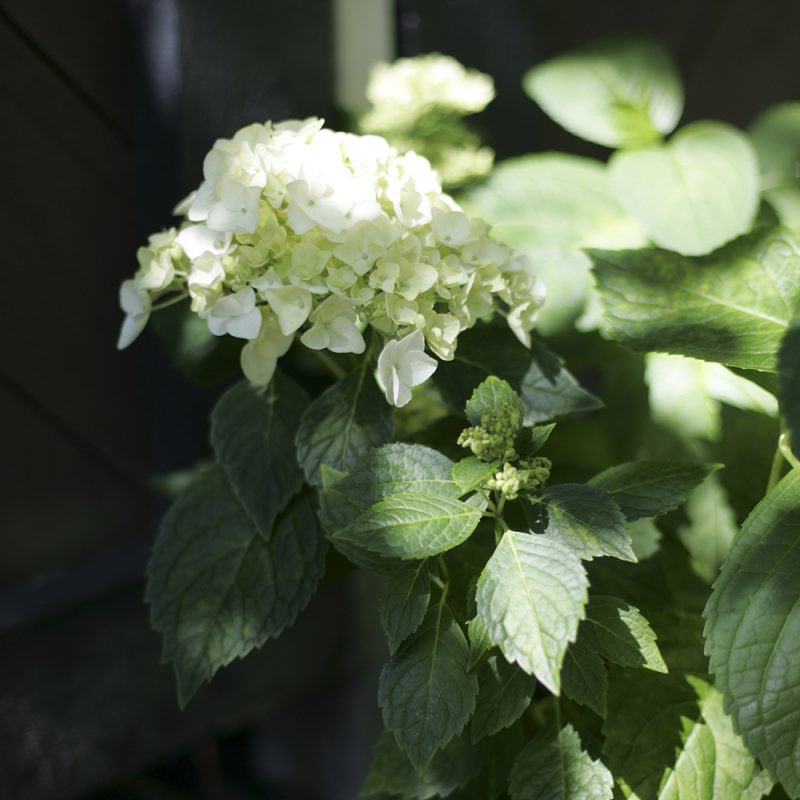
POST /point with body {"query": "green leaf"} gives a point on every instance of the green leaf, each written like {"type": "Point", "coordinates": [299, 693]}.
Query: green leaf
{"type": "Point", "coordinates": [693, 194]}
{"type": "Point", "coordinates": [392, 773]}
{"type": "Point", "coordinates": [504, 692]}
{"type": "Point", "coordinates": [404, 602]}
{"type": "Point", "coordinates": [531, 595]}
{"type": "Point", "coordinates": [666, 737]}
{"type": "Point", "coordinates": [550, 206]}
{"type": "Point", "coordinates": [479, 641]}
{"type": "Point", "coordinates": [391, 469]}
{"type": "Point", "coordinates": [651, 488]}
{"type": "Point", "coordinates": [192, 349]}
{"type": "Point", "coordinates": [488, 396]}
{"type": "Point", "coordinates": [621, 634]}
{"type": "Point", "coordinates": [776, 138]}
{"type": "Point", "coordinates": [789, 384]}
{"type": "Point", "coordinates": [425, 691]}
{"type": "Point", "coordinates": [752, 631]}
{"type": "Point", "coordinates": [223, 580]}
{"type": "Point", "coordinates": [411, 525]}
{"type": "Point", "coordinates": [555, 767]}
{"type": "Point", "coordinates": [531, 440]}
{"type": "Point", "coordinates": [584, 677]}
{"type": "Point", "coordinates": [733, 306]}
{"type": "Point", "coordinates": [622, 92]}
{"type": "Point", "coordinates": [342, 424]}
{"type": "Point", "coordinates": [548, 390]}
{"type": "Point", "coordinates": [711, 529]}
{"type": "Point", "coordinates": [471, 472]}
{"type": "Point", "coordinates": [252, 432]}
{"type": "Point", "coordinates": [587, 520]}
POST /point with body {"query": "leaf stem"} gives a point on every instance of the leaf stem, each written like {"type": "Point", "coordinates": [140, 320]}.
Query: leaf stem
{"type": "Point", "coordinates": [329, 364]}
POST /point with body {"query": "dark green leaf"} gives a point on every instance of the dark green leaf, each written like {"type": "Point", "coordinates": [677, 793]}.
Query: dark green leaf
{"type": "Point", "coordinates": [622, 92]}
{"type": "Point", "coordinates": [587, 520]}
{"type": "Point", "coordinates": [342, 424]}
{"type": "Point", "coordinates": [753, 629]}
{"type": "Point", "coordinates": [223, 580]}
{"type": "Point", "coordinates": [553, 766]}
{"type": "Point", "coordinates": [584, 677]}
{"type": "Point", "coordinates": [479, 641]}
{"type": "Point", "coordinates": [411, 525]}
{"type": "Point", "coordinates": [252, 431]}
{"type": "Point", "coordinates": [666, 737]}
{"type": "Point", "coordinates": [392, 773]}
{"type": "Point", "coordinates": [504, 692]}
{"type": "Point", "coordinates": [548, 390]}
{"type": "Point", "coordinates": [404, 602]}
{"type": "Point", "coordinates": [621, 634]}
{"type": "Point", "coordinates": [732, 306]}
{"type": "Point", "coordinates": [531, 595]}
{"type": "Point", "coordinates": [426, 693]}
{"type": "Point", "coordinates": [651, 488]}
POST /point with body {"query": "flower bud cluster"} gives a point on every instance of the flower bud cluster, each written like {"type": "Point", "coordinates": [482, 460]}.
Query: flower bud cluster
{"type": "Point", "coordinates": [302, 232]}
{"type": "Point", "coordinates": [527, 476]}
{"type": "Point", "coordinates": [493, 439]}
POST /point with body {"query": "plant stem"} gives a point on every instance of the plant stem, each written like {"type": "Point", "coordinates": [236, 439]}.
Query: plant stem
{"type": "Point", "coordinates": [329, 364]}
{"type": "Point", "coordinates": [776, 469]}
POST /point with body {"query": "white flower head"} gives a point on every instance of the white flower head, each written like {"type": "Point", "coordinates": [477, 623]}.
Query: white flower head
{"type": "Point", "coordinates": [135, 302]}
{"type": "Point", "coordinates": [259, 356]}
{"type": "Point", "coordinates": [402, 365]}
{"type": "Point", "coordinates": [335, 327]}
{"type": "Point", "coordinates": [235, 314]}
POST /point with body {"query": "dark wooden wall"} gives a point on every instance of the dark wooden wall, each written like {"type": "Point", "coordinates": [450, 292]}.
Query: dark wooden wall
{"type": "Point", "coordinates": [106, 110]}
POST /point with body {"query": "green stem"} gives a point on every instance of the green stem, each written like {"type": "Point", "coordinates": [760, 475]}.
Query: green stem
{"type": "Point", "coordinates": [329, 364]}
{"type": "Point", "coordinates": [171, 302]}
{"type": "Point", "coordinates": [775, 470]}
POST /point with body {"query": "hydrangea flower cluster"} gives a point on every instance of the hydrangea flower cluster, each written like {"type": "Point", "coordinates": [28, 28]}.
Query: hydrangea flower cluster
{"type": "Point", "coordinates": [418, 104]}
{"type": "Point", "coordinates": [300, 232]}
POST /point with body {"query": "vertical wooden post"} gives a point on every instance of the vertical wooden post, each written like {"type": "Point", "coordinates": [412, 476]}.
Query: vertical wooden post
{"type": "Point", "coordinates": [364, 36]}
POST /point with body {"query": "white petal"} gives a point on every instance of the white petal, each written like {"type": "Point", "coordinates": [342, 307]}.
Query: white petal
{"type": "Point", "coordinates": [258, 369]}
{"type": "Point", "coordinates": [316, 338]}
{"type": "Point", "coordinates": [416, 368]}
{"type": "Point", "coordinates": [132, 326]}
{"type": "Point", "coordinates": [345, 337]}
{"type": "Point", "coordinates": [245, 326]}
{"type": "Point", "coordinates": [292, 306]}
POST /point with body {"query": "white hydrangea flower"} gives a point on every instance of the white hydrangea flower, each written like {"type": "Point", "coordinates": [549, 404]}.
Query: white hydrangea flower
{"type": "Point", "coordinates": [235, 314]}
{"type": "Point", "coordinates": [301, 231]}
{"type": "Point", "coordinates": [402, 365]}
{"type": "Point", "coordinates": [135, 302]}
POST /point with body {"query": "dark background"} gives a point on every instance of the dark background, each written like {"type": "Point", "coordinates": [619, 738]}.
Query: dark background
{"type": "Point", "coordinates": [107, 109]}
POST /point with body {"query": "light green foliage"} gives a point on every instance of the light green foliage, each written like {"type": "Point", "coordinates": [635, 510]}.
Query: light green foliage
{"type": "Point", "coordinates": [425, 691]}
{"type": "Point", "coordinates": [411, 525]}
{"type": "Point", "coordinates": [404, 602]}
{"type": "Point", "coordinates": [491, 396]}
{"type": "Point", "coordinates": [220, 583]}
{"type": "Point", "coordinates": [733, 306]}
{"type": "Point", "coordinates": [711, 529]}
{"type": "Point", "coordinates": [531, 595]}
{"type": "Point", "coordinates": [553, 766]}
{"type": "Point", "coordinates": [621, 634]}
{"type": "Point", "coordinates": [789, 383]}
{"type": "Point", "coordinates": [551, 206]}
{"type": "Point", "coordinates": [753, 629]}
{"type": "Point", "coordinates": [587, 520]}
{"type": "Point", "coordinates": [693, 194]}
{"type": "Point", "coordinates": [651, 488]}
{"type": "Point", "coordinates": [618, 92]}
{"type": "Point", "coordinates": [667, 737]}
{"type": "Point", "coordinates": [479, 640]}
{"type": "Point", "coordinates": [504, 692]}
{"type": "Point", "coordinates": [776, 137]}
{"type": "Point", "coordinates": [392, 773]}
{"type": "Point", "coordinates": [470, 473]}
{"type": "Point", "coordinates": [342, 424]}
